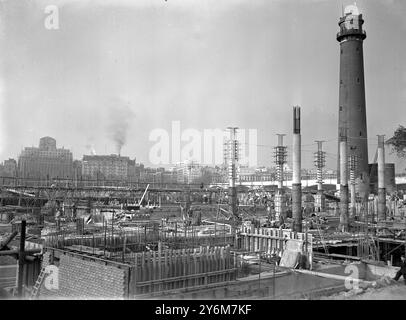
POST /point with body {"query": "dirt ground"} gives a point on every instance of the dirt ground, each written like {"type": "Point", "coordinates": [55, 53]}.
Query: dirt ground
{"type": "Point", "coordinates": [396, 291]}
{"type": "Point", "coordinates": [393, 292]}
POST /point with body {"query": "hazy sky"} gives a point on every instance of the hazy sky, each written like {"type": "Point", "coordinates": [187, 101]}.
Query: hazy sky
{"type": "Point", "coordinates": [207, 63]}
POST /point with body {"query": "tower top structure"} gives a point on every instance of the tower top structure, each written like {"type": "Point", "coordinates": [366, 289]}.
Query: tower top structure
{"type": "Point", "coordinates": [351, 24]}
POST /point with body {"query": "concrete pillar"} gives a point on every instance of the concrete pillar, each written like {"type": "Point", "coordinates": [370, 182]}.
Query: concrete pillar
{"type": "Point", "coordinates": [233, 158]}
{"type": "Point", "coordinates": [21, 259]}
{"type": "Point", "coordinates": [352, 192]}
{"type": "Point", "coordinates": [297, 207]}
{"type": "Point", "coordinates": [280, 160]}
{"type": "Point", "coordinates": [319, 159]}
{"type": "Point", "coordinates": [381, 179]}
{"type": "Point", "coordinates": [344, 223]}
{"type": "Point", "coordinates": [320, 201]}
{"type": "Point", "coordinates": [280, 207]}
{"type": "Point", "coordinates": [296, 179]}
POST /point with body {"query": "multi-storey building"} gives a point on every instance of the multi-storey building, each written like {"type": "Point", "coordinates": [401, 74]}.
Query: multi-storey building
{"type": "Point", "coordinates": [8, 171]}
{"type": "Point", "coordinates": [188, 171]}
{"type": "Point", "coordinates": [77, 170]}
{"type": "Point", "coordinates": [108, 167]}
{"type": "Point", "coordinates": [46, 162]}
{"type": "Point", "coordinates": [9, 168]}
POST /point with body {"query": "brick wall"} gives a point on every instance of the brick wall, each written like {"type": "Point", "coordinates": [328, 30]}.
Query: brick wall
{"type": "Point", "coordinates": [83, 277]}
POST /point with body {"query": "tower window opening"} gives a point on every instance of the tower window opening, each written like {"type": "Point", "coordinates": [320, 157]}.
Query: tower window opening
{"type": "Point", "coordinates": [360, 133]}
{"type": "Point", "coordinates": [357, 80]}
{"type": "Point", "coordinates": [341, 108]}
{"type": "Point", "coordinates": [341, 81]}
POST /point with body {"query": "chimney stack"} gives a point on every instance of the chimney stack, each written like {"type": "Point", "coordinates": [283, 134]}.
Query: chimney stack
{"type": "Point", "coordinates": [296, 180]}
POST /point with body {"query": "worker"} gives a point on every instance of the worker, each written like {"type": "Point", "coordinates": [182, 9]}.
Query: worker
{"type": "Point", "coordinates": [402, 271]}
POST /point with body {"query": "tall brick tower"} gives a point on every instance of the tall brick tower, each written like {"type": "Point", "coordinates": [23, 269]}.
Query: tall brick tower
{"type": "Point", "coordinates": [352, 112]}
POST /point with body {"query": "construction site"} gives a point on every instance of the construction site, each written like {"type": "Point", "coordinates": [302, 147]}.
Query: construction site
{"type": "Point", "coordinates": [70, 239]}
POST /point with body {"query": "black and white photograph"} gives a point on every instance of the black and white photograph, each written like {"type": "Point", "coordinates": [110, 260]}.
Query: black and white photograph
{"type": "Point", "coordinates": [204, 155]}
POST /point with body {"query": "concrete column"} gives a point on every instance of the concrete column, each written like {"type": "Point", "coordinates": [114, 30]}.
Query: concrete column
{"type": "Point", "coordinates": [297, 207]}
{"type": "Point", "coordinates": [344, 223]}
{"type": "Point", "coordinates": [280, 160]}
{"type": "Point", "coordinates": [381, 179]}
{"type": "Point", "coordinates": [320, 201]}
{"type": "Point", "coordinates": [21, 259]}
{"type": "Point", "coordinates": [233, 158]}
{"type": "Point", "coordinates": [296, 179]}
{"type": "Point", "coordinates": [352, 192]}
{"type": "Point", "coordinates": [280, 208]}
{"type": "Point", "coordinates": [352, 166]}
{"type": "Point", "coordinates": [319, 158]}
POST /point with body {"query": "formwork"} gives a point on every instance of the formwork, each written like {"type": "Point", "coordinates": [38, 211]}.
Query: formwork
{"type": "Point", "coordinates": [166, 270]}
{"type": "Point", "coordinates": [86, 276]}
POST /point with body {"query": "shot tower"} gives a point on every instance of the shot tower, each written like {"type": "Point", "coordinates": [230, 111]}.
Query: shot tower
{"type": "Point", "coordinates": [352, 112]}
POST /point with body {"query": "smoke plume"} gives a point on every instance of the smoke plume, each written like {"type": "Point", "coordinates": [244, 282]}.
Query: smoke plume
{"type": "Point", "coordinates": [120, 119]}
{"type": "Point", "coordinates": [90, 147]}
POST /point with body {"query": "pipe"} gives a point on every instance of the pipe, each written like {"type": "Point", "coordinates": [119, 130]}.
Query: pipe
{"type": "Point", "coordinates": [332, 276]}
{"type": "Point", "coordinates": [296, 179]}
{"type": "Point", "coordinates": [381, 179]}
{"type": "Point", "coordinates": [11, 252]}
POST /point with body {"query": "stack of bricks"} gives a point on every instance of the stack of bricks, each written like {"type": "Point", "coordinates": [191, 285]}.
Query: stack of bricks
{"type": "Point", "coordinates": [82, 277]}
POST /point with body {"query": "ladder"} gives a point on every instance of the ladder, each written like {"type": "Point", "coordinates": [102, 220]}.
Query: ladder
{"type": "Point", "coordinates": [323, 242]}
{"type": "Point", "coordinates": [37, 285]}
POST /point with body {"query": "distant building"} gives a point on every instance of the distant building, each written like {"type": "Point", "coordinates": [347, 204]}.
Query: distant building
{"type": "Point", "coordinates": [108, 167]}
{"type": "Point", "coordinates": [77, 170]}
{"type": "Point", "coordinates": [188, 171]}
{"type": "Point", "coordinates": [8, 171]}
{"type": "Point", "coordinates": [46, 162]}
{"type": "Point", "coordinates": [152, 175]}
{"type": "Point", "coordinates": [9, 168]}
{"type": "Point", "coordinates": [220, 175]}
{"type": "Point", "coordinates": [248, 174]}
